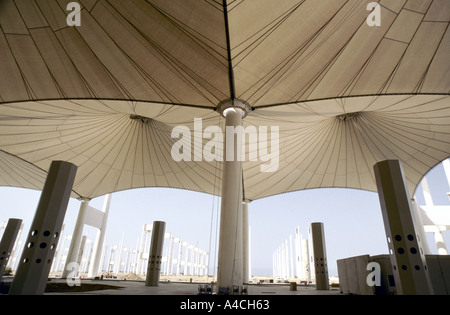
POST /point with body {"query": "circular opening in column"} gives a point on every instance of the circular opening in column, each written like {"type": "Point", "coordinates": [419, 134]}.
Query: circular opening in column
{"type": "Point", "coordinates": [398, 238]}
{"type": "Point", "coordinates": [404, 267]}
{"type": "Point", "coordinates": [46, 233]}
{"type": "Point", "coordinates": [400, 250]}
{"type": "Point", "coordinates": [413, 250]}
{"type": "Point", "coordinates": [34, 233]}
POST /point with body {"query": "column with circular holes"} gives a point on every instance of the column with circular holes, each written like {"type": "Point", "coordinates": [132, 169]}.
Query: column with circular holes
{"type": "Point", "coordinates": [155, 255]}
{"type": "Point", "coordinates": [320, 256]}
{"type": "Point", "coordinates": [36, 260]}
{"type": "Point", "coordinates": [408, 261]}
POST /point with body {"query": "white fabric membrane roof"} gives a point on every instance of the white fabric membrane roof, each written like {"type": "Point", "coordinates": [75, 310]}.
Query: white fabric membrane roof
{"type": "Point", "coordinates": [344, 95]}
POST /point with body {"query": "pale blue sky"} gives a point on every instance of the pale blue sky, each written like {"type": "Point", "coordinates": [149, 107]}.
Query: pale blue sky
{"type": "Point", "coordinates": [352, 218]}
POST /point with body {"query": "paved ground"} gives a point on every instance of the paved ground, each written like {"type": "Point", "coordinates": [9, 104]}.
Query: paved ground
{"type": "Point", "coordinates": [134, 287]}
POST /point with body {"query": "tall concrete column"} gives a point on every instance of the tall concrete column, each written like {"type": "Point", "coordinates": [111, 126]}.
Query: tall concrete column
{"type": "Point", "coordinates": [94, 267]}
{"type": "Point", "coordinates": [180, 248]}
{"type": "Point", "coordinates": [37, 256]}
{"type": "Point", "coordinates": [155, 255]}
{"type": "Point", "coordinates": [320, 256]}
{"type": "Point", "coordinates": [77, 234]}
{"type": "Point", "coordinates": [298, 253]}
{"type": "Point", "coordinates": [7, 243]}
{"type": "Point", "coordinates": [230, 239]}
{"type": "Point", "coordinates": [245, 243]}
{"type": "Point", "coordinates": [80, 255]}
{"type": "Point", "coordinates": [408, 261]}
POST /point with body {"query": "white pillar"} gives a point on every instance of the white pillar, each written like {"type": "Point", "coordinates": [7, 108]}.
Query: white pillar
{"type": "Point", "coordinates": [76, 238]}
{"type": "Point", "coordinates": [196, 253]}
{"type": "Point", "coordinates": [446, 165]}
{"type": "Point", "coordinates": [438, 236]}
{"type": "Point", "coordinates": [59, 246]}
{"type": "Point", "coordinates": [37, 256]}
{"type": "Point", "coordinates": [80, 255]}
{"type": "Point", "coordinates": [291, 256]}
{"type": "Point", "coordinates": [245, 243]}
{"type": "Point", "coordinates": [274, 266]}
{"type": "Point", "coordinates": [94, 267]}
{"type": "Point", "coordinates": [155, 254]}
{"type": "Point", "coordinates": [169, 255]}
{"type": "Point", "coordinates": [119, 256]}
{"type": "Point", "coordinates": [111, 259]}
{"type": "Point", "coordinates": [191, 260]}
{"type": "Point", "coordinates": [103, 257]}
{"type": "Point", "coordinates": [277, 268]}
{"type": "Point", "coordinates": [418, 223]}
{"type": "Point", "coordinates": [186, 257]}
{"type": "Point", "coordinates": [298, 254]}
{"type": "Point", "coordinates": [440, 241]}
{"type": "Point", "coordinates": [88, 259]}
{"type": "Point", "coordinates": [62, 252]}
{"type": "Point", "coordinates": [230, 239]}
{"type": "Point", "coordinates": [305, 261]}
{"type": "Point", "coordinates": [249, 252]}
{"type": "Point", "coordinates": [426, 192]}
{"type": "Point", "coordinates": [320, 256]}
{"type": "Point", "coordinates": [287, 259]}
{"type": "Point", "coordinates": [180, 247]}
{"type": "Point", "coordinates": [408, 261]}
{"type": "Point", "coordinates": [7, 243]}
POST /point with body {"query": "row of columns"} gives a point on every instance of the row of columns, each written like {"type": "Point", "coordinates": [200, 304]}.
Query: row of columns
{"type": "Point", "coordinates": [306, 260]}
{"type": "Point", "coordinates": [291, 259]}
{"type": "Point", "coordinates": [181, 258]}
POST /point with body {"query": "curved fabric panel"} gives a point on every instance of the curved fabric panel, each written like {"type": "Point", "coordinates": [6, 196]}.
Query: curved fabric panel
{"type": "Point", "coordinates": [107, 95]}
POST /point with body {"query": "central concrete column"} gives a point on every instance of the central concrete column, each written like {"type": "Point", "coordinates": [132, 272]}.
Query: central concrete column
{"type": "Point", "coordinates": [245, 243]}
{"type": "Point", "coordinates": [230, 269]}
